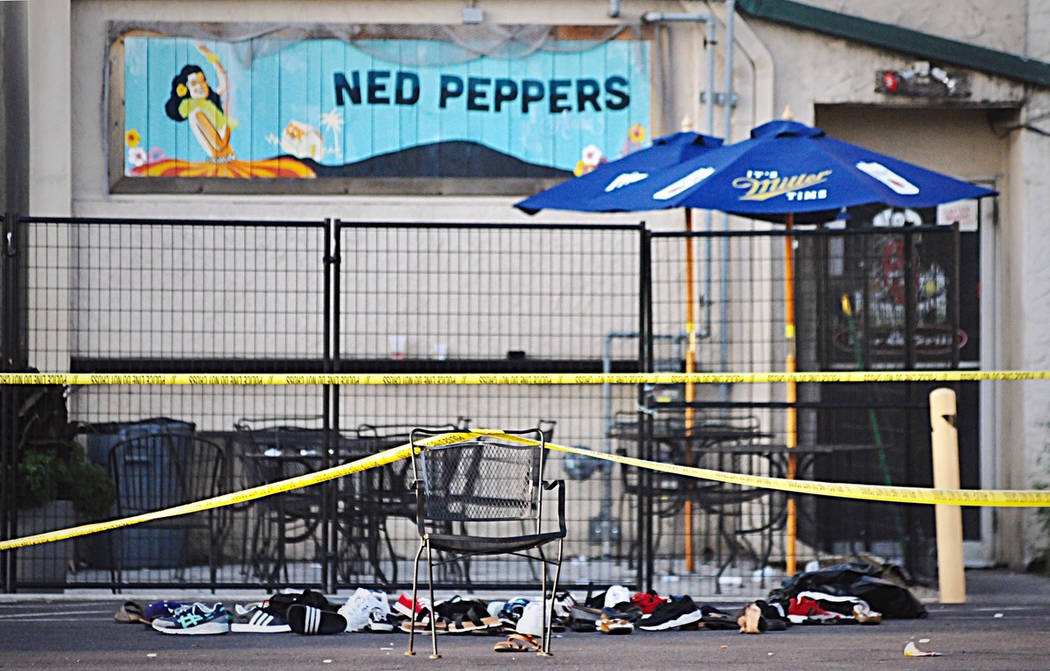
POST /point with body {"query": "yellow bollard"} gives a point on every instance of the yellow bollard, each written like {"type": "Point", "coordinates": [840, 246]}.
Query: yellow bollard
{"type": "Point", "coordinates": [945, 443]}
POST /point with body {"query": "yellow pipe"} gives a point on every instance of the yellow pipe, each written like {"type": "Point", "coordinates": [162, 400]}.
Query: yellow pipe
{"type": "Point", "coordinates": [690, 392]}
{"type": "Point", "coordinates": [791, 437]}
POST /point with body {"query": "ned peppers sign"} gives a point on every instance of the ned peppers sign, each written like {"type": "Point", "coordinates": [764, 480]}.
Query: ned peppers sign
{"type": "Point", "coordinates": [331, 108]}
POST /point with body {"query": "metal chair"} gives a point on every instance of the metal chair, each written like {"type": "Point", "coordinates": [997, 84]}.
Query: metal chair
{"type": "Point", "coordinates": [370, 499]}
{"type": "Point", "coordinates": [493, 483]}
{"type": "Point", "coordinates": [719, 441]}
{"type": "Point", "coordinates": [161, 470]}
{"type": "Point", "coordinates": [279, 522]}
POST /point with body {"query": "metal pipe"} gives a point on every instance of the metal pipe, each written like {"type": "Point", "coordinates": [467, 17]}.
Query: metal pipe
{"type": "Point", "coordinates": [654, 17]}
{"type": "Point", "coordinates": [709, 224]}
{"type": "Point", "coordinates": [723, 311]}
{"type": "Point", "coordinates": [709, 108]}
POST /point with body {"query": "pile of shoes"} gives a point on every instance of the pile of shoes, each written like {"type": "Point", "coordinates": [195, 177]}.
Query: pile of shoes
{"type": "Point", "coordinates": [618, 611]}
{"type": "Point", "coordinates": [818, 597]}
{"type": "Point", "coordinates": [456, 615]}
{"type": "Point", "coordinates": [301, 611]}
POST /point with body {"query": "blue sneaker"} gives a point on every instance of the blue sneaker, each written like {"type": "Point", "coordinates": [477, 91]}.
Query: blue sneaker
{"type": "Point", "coordinates": [195, 619]}
{"type": "Point", "coordinates": [164, 608]}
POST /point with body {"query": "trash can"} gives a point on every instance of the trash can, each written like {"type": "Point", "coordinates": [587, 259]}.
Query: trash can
{"type": "Point", "coordinates": [141, 546]}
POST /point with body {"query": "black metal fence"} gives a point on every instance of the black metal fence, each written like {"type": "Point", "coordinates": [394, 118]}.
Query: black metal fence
{"type": "Point", "coordinates": [104, 296]}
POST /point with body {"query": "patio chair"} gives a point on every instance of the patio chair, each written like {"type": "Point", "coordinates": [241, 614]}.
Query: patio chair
{"type": "Point", "coordinates": [279, 523]}
{"type": "Point", "coordinates": [161, 470]}
{"type": "Point", "coordinates": [491, 489]}
{"type": "Point", "coordinates": [370, 500]}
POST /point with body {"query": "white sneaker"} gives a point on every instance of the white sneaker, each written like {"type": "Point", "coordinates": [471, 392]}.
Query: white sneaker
{"type": "Point", "coordinates": [616, 595]}
{"type": "Point", "coordinates": [865, 615]}
{"type": "Point", "coordinates": [381, 622]}
{"type": "Point", "coordinates": [531, 620]}
{"type": "Point", "coordinates": [382, 601]}
{"type": "Point", "coordinates": [357, 608]}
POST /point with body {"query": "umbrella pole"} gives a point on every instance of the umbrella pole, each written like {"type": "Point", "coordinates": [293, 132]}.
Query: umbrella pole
{"type": "Point", "coordinates": [690, 367]}
{"type": "Point", "coordinates": [791, 439]}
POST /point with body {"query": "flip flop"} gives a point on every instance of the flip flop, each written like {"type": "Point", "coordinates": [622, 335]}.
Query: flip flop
{"type": "Point", "coordinates": [311, 620]}
{"type": "Point", "coordinates": [130, 612]}
{"type": "Point", "coordinates": [518, 643]}
{"type": "Point", "coordinates": [440, 625]}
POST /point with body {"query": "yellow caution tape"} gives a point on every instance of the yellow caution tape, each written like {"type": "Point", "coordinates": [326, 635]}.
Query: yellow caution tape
{"type": "Point", "coordinates": [378, 459]}
{"type": "Point", "coordinates": [955, 497]}
{"type": "Point", "coordinates": [516, 379]}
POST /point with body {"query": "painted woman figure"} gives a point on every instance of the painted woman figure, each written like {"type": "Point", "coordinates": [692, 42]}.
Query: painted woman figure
{"type": "Point", "coordinates": [206, 108]}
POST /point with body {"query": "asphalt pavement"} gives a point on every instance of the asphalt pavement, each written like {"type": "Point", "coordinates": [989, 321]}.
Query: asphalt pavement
{"type": "Point", "coordinates": [1003, 625]}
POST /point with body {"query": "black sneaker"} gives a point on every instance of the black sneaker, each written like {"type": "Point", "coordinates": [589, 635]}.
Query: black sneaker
{"type": "Point", "coordinates": [281, 601]}
{"type": "Point", "coordinates": [671, 615]}
{"type": "Point", "coordinates": [775, 618]}
{"type": "Point", "coordinates": [715, 619]}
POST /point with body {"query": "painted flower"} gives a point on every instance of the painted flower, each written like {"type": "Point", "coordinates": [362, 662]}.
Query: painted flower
{"type": "Point", "coordinates": [132, 138]}
{"type": "Point", "coordinates": [636, 133]}
{"type": "Point", "coordinates": [136, 156]}
{"type": "Point", "coordinates": [156, 154]}
{"type": "Point", "coordinates": [592, 155]}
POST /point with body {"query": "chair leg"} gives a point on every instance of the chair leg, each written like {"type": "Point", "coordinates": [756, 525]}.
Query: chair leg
{"type": "Point", "coordinates": [412, 619]}
{"type": "Point", "coordinates": [550, 605]}
{"type": "Point", "coordinates": [115, 574]}
{"type": "Point", "coordinates": [433, 615]}
{"type": "Point", "coordinates": [545, 629]}
{"type": "Point", "coordinates": [119, 559]}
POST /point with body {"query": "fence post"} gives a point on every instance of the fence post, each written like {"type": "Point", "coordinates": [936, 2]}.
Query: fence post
{"type": "Point", "coordinates": [7, 456]}
{"type": "Point", "coordinates": [945, 444]}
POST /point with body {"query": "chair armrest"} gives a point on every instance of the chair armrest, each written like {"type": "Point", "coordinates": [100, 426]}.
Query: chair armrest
{"type": "Point", "coordinates": [417, 485]}
{"type": "Point", "coordinates": [560, 484]}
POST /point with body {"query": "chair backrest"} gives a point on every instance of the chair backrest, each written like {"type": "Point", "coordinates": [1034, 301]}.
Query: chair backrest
{"type": "Point", "coordinates": [484, 479]}
{"type": "Point", "coordinates": [160, 470]}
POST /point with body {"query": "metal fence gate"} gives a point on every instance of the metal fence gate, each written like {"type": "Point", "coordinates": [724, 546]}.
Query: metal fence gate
{"type": "Point", "coordinates": [242, 297]}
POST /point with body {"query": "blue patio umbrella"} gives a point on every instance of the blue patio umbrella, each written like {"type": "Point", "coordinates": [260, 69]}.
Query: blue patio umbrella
{"type": "Point", "coordinates": [585, 193]}
{"type": "Point", "coordinates": [788, 170]}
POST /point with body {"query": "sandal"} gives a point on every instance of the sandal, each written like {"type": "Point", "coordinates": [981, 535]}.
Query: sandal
{"type": "Point", "coordinates": [751, 620]}
{"type": "Point", "coordinates": [304, 619]}
{"type": "Point", "coordinates": [130, 612]}
{"type": "Point", "coordinates": [518, 643]}
{"type": "Point", "coordinates": [471, 623]}
{"type": "Point", "coordinates": [441, 625]}
{"type": "Point", "coordinates": [614, 625]}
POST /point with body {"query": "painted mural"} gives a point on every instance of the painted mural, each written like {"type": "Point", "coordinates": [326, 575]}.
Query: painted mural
{"type": "Point", "coordinates": [328, 108]}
